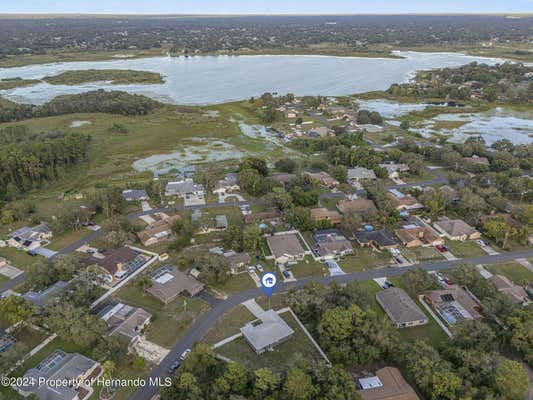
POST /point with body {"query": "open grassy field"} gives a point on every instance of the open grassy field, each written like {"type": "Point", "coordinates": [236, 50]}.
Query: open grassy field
{"type": "Point", "coordinates": [6, 84]}
{"type": "Point", "coordinates": [114, 76]}
{"type": "Point", "coordinates": [191, 133]}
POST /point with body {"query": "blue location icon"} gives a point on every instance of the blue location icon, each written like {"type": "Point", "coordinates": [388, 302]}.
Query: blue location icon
{"type": "Point", "coordinates": [268, 282]}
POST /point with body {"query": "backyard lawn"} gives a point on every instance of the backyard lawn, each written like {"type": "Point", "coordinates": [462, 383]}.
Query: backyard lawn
{"type": "Point", "coordinates": [512, 270]}
{"type": "Point", "coordinates": [465, 249]}
{"type": "Point", "coordinates": [170, 321]}
{"type": "Point", "coordinates": [283, 357]}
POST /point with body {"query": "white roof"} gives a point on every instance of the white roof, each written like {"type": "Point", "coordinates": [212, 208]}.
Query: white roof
{"type": "Point", "coordinates": [370, 382]}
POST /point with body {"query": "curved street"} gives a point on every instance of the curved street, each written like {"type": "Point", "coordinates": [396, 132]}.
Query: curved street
{"type": "Point", "coordinates": [209, 319]}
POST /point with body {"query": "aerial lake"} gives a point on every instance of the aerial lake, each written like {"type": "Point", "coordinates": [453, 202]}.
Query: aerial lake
{"type": "Point", "coordinates": [210, 79]}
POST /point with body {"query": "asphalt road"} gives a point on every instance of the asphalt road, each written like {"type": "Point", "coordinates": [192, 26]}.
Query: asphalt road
{"type": "Point", "coordinates": [200, 328]}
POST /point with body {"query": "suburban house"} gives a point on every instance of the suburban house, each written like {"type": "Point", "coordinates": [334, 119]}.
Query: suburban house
{"type": "Point", "coordinates": [227, 185]}
{"type": "Point", "coordinates": [418, 236]}
{"type": "Point", "coordinates": [403, 202]}
{"type": "Point", "coordinates": [323, 178]}
{"type": "Point", "coordinates": [394, 170]}
{"type": "Point", "coordinates": [330, 244]}
{"type": "Point", "coordinates": [59, 365]}
{"type": "Point", "coordinates": [400, 308]}
{"type": "Point", "coordinates": [168, 283]}
{"type": "Point", "coordinates": [359, 174]}
{"type": "Point", "coordinates": [27, 238]}
{"type": "Point", "coordinates": [157, 231]}
{"type": "Point", "coordinates": [454, 304]}
{"type": "Point", "coordinates": [135, 195]}
{"type": "Point", "coordinates": [6, 341]}
{"type": "Point", "coordinates": [456, 229]}
{"type": "Point", "coordinates": [125, 320]}
{"type": "Point", "coordinates": [45, 296]}
{"type": "Point", "coordinates": [515, 292]}
{"type": "Point", "coordinates": [323, 214]}
{"type": "Point", "coordinates": [286, 248]}
{"type": "Point", "coordinates": [359, 205]}
{"type": "Point", "coordinates": [185, 188]}
{"type": "Point", "coordinates": [381, 239]}
{"type": "Point", "coordinates": [118, 263]}
{"type": "Point", "coordinates": [238, 261]}
{"type": "Point", "coordinates": [271, 215]}
{"type": "Point", "coordinates": [387, 384]}
{"type": "Point", "coordinates": [267, 332]}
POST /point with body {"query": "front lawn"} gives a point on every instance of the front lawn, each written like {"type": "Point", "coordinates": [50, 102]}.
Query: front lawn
{"type": "Point", "coordinates": [421, 254]}
{"type": "Point", "coordinates": [17, 258]}
{"type": "Point", "coordinates": [464, 249]}
{"type": "Point", "coordinates": [236, 283]}
{"type": "Point", "coordinates": [364, 259]}
{"type": "Point", "coordinates": [512, 270]}
{"type": "Point", "coordinates": [309, 268]}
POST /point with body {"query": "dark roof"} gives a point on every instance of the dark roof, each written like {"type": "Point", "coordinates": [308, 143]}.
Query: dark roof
{"type": "Point", "coordinates": [382, 237]}
{"type": "Point", "coordinates": [112, 258]}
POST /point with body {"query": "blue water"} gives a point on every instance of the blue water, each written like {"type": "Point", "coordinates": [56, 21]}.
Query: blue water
{"type": "Point", "coordinates": [209, 80]}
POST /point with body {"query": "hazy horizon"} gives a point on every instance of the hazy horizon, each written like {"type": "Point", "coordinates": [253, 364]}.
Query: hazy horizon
{"type": "Point", "coordinates": [272, 7]}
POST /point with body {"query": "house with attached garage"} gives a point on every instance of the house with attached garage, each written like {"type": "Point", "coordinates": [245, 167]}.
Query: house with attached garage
{"type": "Point", "coordinates": [59, 367]}
{"type": "Point", "coordinates": [267, 332]}
{"type": "Point", "coordinates": [157, 231]}
{"type": "Point", "coordinates": [357, 175]}
{"type": "Point", "coordinates": [456, 229]}
{"type": "Point", "coordinates": [403, 202]}
{"type": "Point", "coordinates": [381, 239]}
{"type": "Point", "coordinates": [400, 308]}
{"type": "Point", "coordinates": [227, 185]}
{"type": "Point", "coordinates": [27, 238]}
{"type": "Point", "coordinates": [135, 195]}
{"type": "Point", "coordinates": [124, 320]}
{"type": "Point", "coordinates": [330, 244]}
{"type": "Point", "coordinates": [185, 188]}
{"type": "Point", "coordinates": [418, 236]}
{"type": "Point", "coordinates": [286, 248]}
{"type": "Point", "coordinates": [169, 282]}
{"type": "Point", "coordinates": [323, 214]}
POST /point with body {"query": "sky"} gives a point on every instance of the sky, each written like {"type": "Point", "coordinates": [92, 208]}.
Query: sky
{"type": "Point", "coordinates": [265, 6]}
